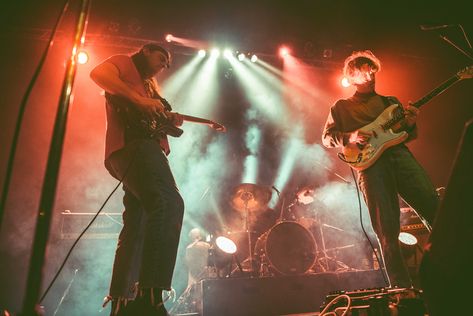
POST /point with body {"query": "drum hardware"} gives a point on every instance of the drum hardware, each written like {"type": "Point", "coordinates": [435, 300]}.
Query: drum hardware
{"type": "Point", "coordinates": [248, 197]}
{"type": "Point", "coordinates": [323, 259]}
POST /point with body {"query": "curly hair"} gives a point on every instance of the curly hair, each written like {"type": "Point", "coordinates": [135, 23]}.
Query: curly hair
{"type": "Point", "coordinates": [357, 59]}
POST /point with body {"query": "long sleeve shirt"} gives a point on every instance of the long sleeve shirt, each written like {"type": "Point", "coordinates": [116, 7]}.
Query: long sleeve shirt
{"type": "Point", "coordinates": [349, 115]}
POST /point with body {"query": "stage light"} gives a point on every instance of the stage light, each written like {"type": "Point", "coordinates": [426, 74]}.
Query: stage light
{"type": "Point", "coordinates": [215, 52]}
{"type": "Point", "coordinates": [345, 83]}
{"type": "Point", "coordinates": [226, 245]}
{"type": "Point", "coordinates": [227, 53]}
{"type": "Point", "coordinates": [201, 53]}
{"type": "Point", "coordinates": [169, 38]}
{"type": "Point", "coordinates": [82, 57]}
{"type": "Point", "coordinates": [241, 57]}
{"type": "Point", "coordinates": [254, 58]}
{"type": "Point", "coordinates": [407, 239]}
{"type": "Point", "coordinates": [284, 51]}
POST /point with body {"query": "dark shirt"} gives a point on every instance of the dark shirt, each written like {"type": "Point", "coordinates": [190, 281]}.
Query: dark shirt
{"type": "Point", "coordinates": [349, 115]}
{"type": "Point", "coordinates": [128, 73]}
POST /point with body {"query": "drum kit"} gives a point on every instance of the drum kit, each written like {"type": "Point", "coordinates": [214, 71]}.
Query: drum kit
{"type": "Point", "coordinates": [293, 245]}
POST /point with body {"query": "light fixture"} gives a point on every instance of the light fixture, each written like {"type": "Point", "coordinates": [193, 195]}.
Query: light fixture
{"type": "Point", "coordinates": [226, 245]}
{"type": "Point", "coordinates": [202, 53]}
{"type": "Point", "coordinates": [82, 57]}
{"type": "Point", "coordinates": [407, 239]}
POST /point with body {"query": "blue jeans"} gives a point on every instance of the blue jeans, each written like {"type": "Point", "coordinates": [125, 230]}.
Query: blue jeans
{"type": "Point", "coordinates": [152, 219]}
{"type": "Point", "coordinates": [396, 172]}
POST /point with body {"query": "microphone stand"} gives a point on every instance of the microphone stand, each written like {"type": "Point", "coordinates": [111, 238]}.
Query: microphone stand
{"type": "Point", "coordinates": [35, 273]}
{"type": "Point", "coordinates": [446, 39]}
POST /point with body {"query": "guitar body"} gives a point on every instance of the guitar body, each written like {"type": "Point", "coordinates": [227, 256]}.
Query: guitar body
{"type": "Point", "coordinates": [145, 125]}
{"type": "Point", "coordinates": [363, 157]}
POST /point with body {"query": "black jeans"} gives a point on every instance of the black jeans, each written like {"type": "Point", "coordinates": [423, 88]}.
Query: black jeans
{"type": "Point", "coordinates": [152, 219]}
{"type": "Point", "coordinates": [396, 172]}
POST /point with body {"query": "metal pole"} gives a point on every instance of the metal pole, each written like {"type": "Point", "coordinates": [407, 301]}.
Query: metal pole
{"type": "Point", "coordinates": [52, 170]}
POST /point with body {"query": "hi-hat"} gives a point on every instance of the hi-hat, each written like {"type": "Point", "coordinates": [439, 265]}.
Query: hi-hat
{"type": "Point", "coordinates": [306, 195]}
{"type": "Point", "coordinates": [251, 197]}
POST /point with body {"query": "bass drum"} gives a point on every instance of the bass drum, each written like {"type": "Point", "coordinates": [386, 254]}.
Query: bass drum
{"type": "Point", "coordinates": [287, 248]}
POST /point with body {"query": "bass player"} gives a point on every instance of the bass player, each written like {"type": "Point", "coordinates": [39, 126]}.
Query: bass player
{"type": "Point", "coordinates": [395, 172]}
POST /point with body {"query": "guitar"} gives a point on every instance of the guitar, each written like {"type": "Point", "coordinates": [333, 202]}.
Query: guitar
{"type": "Point", "coordinates": [152, 126]}
{"type": "Point", "coordinates": [388, 128]}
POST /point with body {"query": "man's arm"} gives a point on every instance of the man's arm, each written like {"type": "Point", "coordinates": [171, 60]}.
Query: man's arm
{"type": "Point", "coordinates": [332, 136]}
{"type": "Point", "coordinates": [107, 76]}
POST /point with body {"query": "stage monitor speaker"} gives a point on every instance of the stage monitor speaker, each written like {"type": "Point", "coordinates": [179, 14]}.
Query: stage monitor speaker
{"type": "Point", "coordinates": [446, 271]}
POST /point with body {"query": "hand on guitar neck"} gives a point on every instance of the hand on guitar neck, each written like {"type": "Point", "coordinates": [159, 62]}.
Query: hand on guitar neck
{"type": "Point", "coordinates": [410, 115]}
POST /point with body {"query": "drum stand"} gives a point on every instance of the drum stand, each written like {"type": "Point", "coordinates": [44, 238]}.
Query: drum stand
{"type": "Point", "coordinates": [340, 266]}
{"type": "Point", "coordinates": [247, 196]}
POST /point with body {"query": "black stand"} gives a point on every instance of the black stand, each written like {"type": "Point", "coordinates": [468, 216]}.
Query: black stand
{"type": "Point", "coordinates": [33, 286]}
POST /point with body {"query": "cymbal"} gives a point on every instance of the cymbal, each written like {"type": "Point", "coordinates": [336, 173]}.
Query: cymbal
{"type": "Point", "coordinates": [251, 197]}
{"type": "Point", "coordinates": [306, 195]}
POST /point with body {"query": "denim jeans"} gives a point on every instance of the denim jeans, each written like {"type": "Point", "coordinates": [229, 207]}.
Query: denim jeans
{"type": "Point", "coordinates": [396, 172]}
{"type": "Point", "coordinates": [152, 219]}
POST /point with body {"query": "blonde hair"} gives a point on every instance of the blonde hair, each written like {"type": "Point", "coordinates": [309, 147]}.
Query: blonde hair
{"type": "Point", "coordinates": [358, 59]}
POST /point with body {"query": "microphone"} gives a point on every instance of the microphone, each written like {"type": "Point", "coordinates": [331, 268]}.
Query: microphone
{"type": "Point", "coordinates": [424, 27]}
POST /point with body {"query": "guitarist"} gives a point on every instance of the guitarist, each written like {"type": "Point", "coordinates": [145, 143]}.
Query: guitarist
{"type": "Point", "coordinates": [395, 172]}
{"type": "Point", "coordinates": [154, 208]}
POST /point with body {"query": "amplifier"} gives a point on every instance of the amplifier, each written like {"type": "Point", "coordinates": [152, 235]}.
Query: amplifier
{"type": "Point", "coordinates": [411, 222]}
{"type": "Point", "coordinates": [105, 226]}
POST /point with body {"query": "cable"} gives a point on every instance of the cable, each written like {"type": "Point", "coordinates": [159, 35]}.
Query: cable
{"type": "Point", "coordinates": [21, 111]}
{"type": "Point", "coordinates": [87, 227]}
{"type": "Point", "coordinates": [332, 302]}
{"type": "Point", "coordinates": [386, 280]}
{"type": "Point", "coordinates": [77, 240]}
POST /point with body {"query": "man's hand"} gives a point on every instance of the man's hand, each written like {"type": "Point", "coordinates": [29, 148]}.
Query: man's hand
{"type": "Point", "coordinates": [410, 114]}
{"type": "Point", "coordinates": [150, 106]}
{"type": "Point", "coordinates": [360, 137]}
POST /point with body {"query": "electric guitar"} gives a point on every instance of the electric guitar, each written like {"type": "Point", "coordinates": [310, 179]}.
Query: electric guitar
{"type": "Point", "coordinates": [388, 129]}
{"type": "Point", "coordinates": [152, 126]}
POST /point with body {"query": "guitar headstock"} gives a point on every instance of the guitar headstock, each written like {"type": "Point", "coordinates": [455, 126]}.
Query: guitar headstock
{"type": "Point", "coordinates": [466, 73]}
{"type": "Point", "coordinates": [218, 127]}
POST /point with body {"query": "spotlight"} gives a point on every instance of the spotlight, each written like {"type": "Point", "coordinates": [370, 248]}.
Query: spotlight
{"type": "Point", "coordinates": [82, 57]}
{"type": "Point", "coordinates": [407, 239]}
{"type": "Point", "coordinates": [241, 57]}
{"type": "Point", "coordinates": [201, 53]}
{"type": "Point", "coordinates": [227, 53]}
{"type": "Point", "coordinates": [169, 38]}
{"type": "Point", "coordinates": [254, 58]}
{"type": "Point", "coordinates": [215, 52]}
{"type": "Point", "coordinates": [226, 245]}
{"type": "Point", "coordinates": [345, 83]}
{"type": "Point", "coordinates": [284, 51]}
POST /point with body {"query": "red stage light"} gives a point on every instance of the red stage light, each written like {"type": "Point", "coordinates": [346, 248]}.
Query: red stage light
{"type": "Point", "coordinates": [345, 83]}
{"type": "Point", "coordinates": [169, 38]}
{"type": "Point", "coordinates": [284, 51]}
{"type": "Point", "coordinates": [82, 57]}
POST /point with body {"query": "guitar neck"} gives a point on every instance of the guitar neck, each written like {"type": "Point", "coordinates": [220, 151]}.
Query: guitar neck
{"type": "Point", "coordinates": [196, 119]}
{"type": "Point", "coordinates": [435, 92]}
